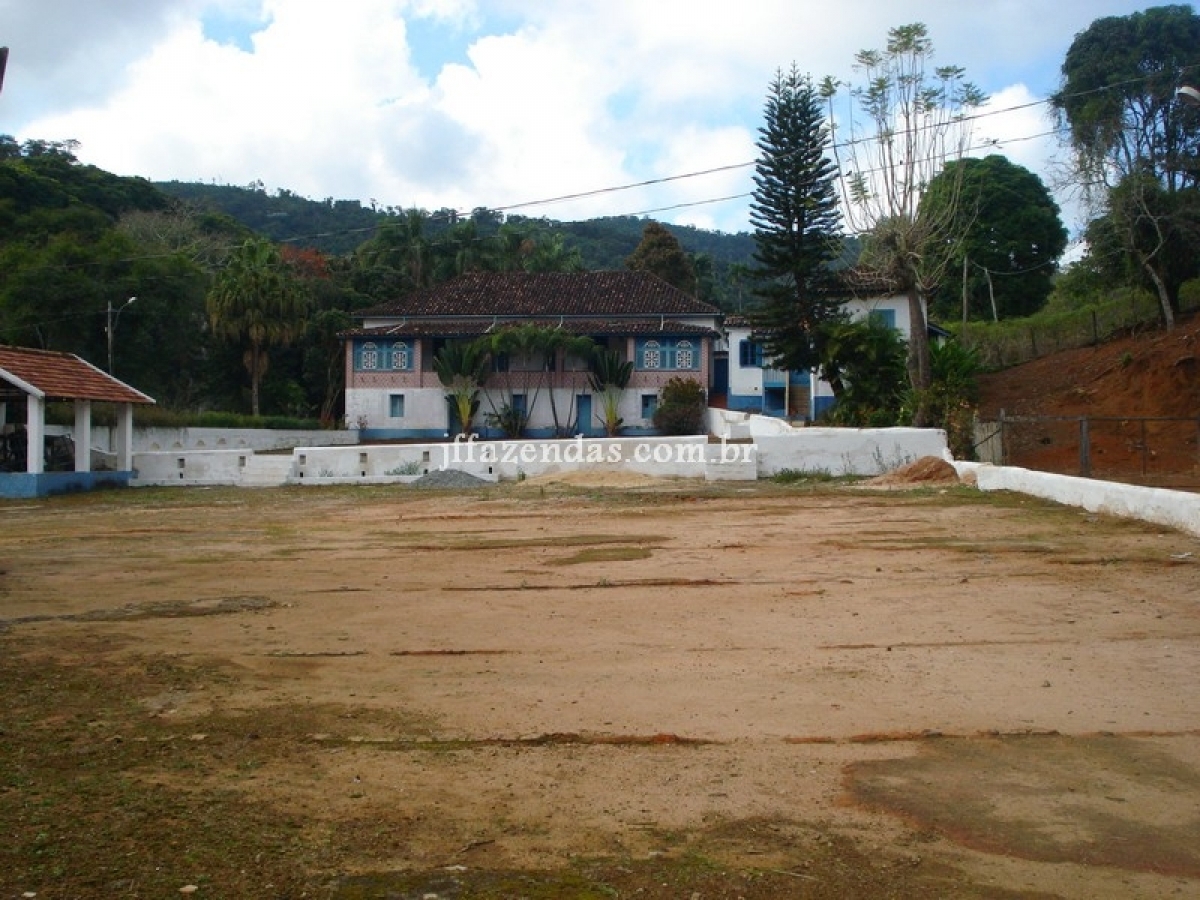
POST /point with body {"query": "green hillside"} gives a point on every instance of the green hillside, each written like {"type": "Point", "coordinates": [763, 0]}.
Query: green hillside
{"type": "Point", "coordinates": [338, 227]}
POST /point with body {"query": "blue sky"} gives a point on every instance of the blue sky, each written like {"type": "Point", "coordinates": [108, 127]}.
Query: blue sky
{"type": "Point", "coordinates": [467, 103]}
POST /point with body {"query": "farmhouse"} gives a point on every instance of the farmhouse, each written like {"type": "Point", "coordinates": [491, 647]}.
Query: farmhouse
{"type": "Point", "coordinates": [393, 391]}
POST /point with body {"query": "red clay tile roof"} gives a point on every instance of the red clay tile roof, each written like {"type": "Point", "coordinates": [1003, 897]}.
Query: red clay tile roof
{"type": "Point", "coordinates": [475, 327]}
{"type": "Point", "coordinates": [550, 294]}
{"type": "Point", "coordinates": [62, 376]}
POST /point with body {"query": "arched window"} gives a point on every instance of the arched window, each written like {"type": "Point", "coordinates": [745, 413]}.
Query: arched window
{"type": "Point", "coordinates": [684, 357]}
{"type": "Point", "coordinates": [370, 356]}
{"type": "Point", "coordinates": [400, 358]}
{"type": "Point", "coordinates": [651, 355]}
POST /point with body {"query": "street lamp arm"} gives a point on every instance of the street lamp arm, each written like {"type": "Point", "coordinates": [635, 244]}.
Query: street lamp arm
{"type": "Point", "coordinates": [114, 316]}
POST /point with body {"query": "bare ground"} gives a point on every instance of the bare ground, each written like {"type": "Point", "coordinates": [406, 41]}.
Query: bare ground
{"type": "Point", "coordinates": [549, 690]}
{"type": "Point", "coordinates": [1144, 374]}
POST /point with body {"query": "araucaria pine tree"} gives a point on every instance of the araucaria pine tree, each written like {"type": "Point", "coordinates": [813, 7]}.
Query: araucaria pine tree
{"type": "Point", "coordinates": [795, 218]}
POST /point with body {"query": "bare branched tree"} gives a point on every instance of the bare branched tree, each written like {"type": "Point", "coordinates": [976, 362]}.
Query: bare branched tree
{"type": "Point", "coordinates": [915, 119]}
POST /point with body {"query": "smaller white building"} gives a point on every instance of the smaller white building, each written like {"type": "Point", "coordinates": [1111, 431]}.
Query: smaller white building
{"type": "Point", "coordinates": [755, 386]}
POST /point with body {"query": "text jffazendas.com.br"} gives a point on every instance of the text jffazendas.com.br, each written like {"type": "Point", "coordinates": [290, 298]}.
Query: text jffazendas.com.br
{"type": "Point", "coordinates": [467, 450]}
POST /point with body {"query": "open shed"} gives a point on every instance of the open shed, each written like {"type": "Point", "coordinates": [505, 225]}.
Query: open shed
{"type": "Point", "coordinates": [33, 378]}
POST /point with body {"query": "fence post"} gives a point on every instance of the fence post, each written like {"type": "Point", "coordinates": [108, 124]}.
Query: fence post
{"type": "Point", "coordinates": [1085, 448]}
{"type": "Point", "coordinates": [1145, 449]}
{"type": "Point", "coordinates": [1003, 442]}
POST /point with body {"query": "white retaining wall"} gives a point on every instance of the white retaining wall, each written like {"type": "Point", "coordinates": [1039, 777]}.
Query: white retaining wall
{"type": "Point", "coordinates": [682, 457]}
{"type": "Point", "coordinates": [838, 451]}
{"type": "Point", "coordinates": [848, 451]}
{"type": "Point", "coordinates": [148, 440]}
{"type": "Point", "coordinates": [835, 451]}
{"type": "Point", "coordinates": [1174, 509]}
{"type": "Point", "coordinates": [190, 468]}
{"type": "Point", "coordinates": [662, 457]}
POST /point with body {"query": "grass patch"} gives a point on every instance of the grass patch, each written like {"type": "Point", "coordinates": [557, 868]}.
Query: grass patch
{"type": "Point", "coordinates": [604, 554]}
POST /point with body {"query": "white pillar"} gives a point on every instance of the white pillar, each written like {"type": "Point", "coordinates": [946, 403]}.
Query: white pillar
{"type": "Point", "coordinates": [83, 435]}
{"type": "Point", "coordinates": [124, 437]}
{"type": "Point", "coordinates": [35, 433]}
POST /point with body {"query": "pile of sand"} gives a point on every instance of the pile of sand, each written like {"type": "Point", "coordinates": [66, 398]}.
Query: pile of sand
{"type": "Point", "coordinates": [925, 472]}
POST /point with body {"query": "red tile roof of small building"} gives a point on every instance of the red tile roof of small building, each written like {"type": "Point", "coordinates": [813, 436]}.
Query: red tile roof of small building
{"type": "Point", "coordinates": [62, 376]}
{"type": "Point", "coordinates": [546, 294]}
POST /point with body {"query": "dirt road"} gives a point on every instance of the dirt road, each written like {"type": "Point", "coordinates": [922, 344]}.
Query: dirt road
{"type": "Point", "coordinates": [656, 689]}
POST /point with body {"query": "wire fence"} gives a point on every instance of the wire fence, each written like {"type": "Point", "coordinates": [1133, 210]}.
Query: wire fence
{"type": "Point", "coordinates": [1013, 342]}
{"type": "Point", "coordinates": [1154, 451]}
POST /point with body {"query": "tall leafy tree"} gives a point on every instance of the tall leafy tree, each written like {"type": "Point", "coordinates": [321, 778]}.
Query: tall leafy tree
{"type": "Point", "coordinates": [660, 253]}
{"type": "Point", "coordinates": [399, 257]}
{"type": "Point", "coordinates": [795, 219]}
{"type": "Point", "coordinates": [1012, 237]}
{"type": "Point", "coordinates": [257, 302]}
{"type": "Point", "coordinates": [1135, 145]}
{"type": "Point", "coordinates": [916, 122]}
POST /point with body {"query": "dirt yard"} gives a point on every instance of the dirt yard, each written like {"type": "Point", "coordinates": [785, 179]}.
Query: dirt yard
{"type": "Point", "coordinates": [653, 690]}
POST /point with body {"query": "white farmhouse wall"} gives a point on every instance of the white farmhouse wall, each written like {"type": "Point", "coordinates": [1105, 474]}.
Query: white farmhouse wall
{"type": "Point", "coordinates": [425, 409]}
{"type": "Point", "coordinates": [743, 382]}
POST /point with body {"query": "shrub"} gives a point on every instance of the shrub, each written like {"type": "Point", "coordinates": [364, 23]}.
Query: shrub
{"type": "Point", "coordinates": [681, 409]}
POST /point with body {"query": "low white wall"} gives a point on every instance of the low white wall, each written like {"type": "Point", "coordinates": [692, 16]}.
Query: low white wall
{"type": "Point", "coordinates": [684, 457]}
{"type": "Point", "coordinates": [662, 457]}
{"type": "Point", "coordinates": [237, 438]}
{"type": "Point", "coordinates": [1174, 509]}
{"type": "Point", "coordinates": [148, 440]}
{"type": "Point", "coordinates": [736, 425]}
{"type": "Point", "coordinates": [189, 468]}
{"type": "Point", "coordinates": [847, 451]}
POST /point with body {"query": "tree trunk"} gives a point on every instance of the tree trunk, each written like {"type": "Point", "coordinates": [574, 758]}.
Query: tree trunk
{"type": "Point", "coordinates": [920, 376]}
{"type": "Point", "coordinates": [256, 365]}
{"type": "Point", "coordinates": [1164, 298]}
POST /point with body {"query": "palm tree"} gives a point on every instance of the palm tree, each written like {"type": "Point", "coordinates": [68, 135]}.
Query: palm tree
{"type": "Point", "coordinates": [528, 347]}
{"type": "Point", "coordinates": [255, 300]}
{"type": "Point", "coordinates": [609, 377]}
{"type": "Point", "coordinates": [462, 367]}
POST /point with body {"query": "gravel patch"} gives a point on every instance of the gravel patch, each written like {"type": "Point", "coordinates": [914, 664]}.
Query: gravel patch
{"type": "Point", "coordinates": [449, 478]}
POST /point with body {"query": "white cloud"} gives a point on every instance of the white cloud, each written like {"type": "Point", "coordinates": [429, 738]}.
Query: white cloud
{"type": "Point", "coordinates": [532, 100]}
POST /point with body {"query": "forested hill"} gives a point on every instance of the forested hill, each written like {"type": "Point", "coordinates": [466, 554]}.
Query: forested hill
{"type": "Point", "coordinates": [339, 226]}
{"type": "Point", "coordinates": [331, 226]}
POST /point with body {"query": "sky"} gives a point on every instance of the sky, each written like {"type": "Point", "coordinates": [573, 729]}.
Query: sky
{"type": "Point", "coordinates": [501, 104]}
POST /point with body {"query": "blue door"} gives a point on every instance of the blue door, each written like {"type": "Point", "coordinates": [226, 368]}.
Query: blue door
{"type": "Point", "coordinates": [583, 410]}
